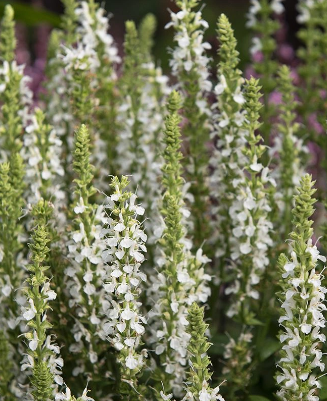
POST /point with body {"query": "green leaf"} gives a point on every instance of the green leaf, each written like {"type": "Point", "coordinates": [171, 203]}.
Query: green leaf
{"type": "Point", "coordinates": [257, 398]}
{"type": "Point", "coordinates": [30, 15]}
{"type": "Point", "coordinates": [269, 347]}
{"type": "Point", "coordinates": [252, 321]}
{"type": "Point", "coordinates": [323, 390]}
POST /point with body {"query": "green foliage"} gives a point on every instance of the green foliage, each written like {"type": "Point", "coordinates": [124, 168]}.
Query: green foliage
{"type": "Point", "coordinates": [6, 368]}
{"type": "Point", "coordinates": [30, 15]}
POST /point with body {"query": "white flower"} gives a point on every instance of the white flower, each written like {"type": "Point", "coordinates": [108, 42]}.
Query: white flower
{"type": "Point", "coordinates": [256, 45]}
{"type": "Point", "coordinates": [29, 314]}
{"type": "Point", "coordinates": [34, 342]}
{"type": "Point", "coordinates": [131, 362]}
{"type": "Point", "coordinates": [277, 6]}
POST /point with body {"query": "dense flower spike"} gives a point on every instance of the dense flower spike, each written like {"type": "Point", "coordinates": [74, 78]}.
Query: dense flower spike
{"type": "Point", "coordinates": [146, 31]}
{"type": "Point", "coordinates": [59, 113]}
{"type": "Point", "coordinates": [7, 35]}
{"type": "Point", "coordinates": [85, 270]}
{"type": "Point", "coordinates": [181, 279]}
{"type": "Point", "coordinates": [143, 91]}
{"type": "Point", "coordinates": [11, 257]}
{"type": "Point", "coordinates": [250, 244]}
{"type": "Point", "coordinates": [250, 212]}
{"type": "Point", "coordinates": [100, 47]}
{"type": "Point", "coordinates": [42, 354]}
{"type": "Point", "coordinates": [42, 154]}
{"type": "Point", "coordinates": [83, 67]}
{"type": "Point", "coordinates": [190, 65]}
{"type": "Point", "coordinates": [11, 270]}
{"type": "Point", "coordinates": [15, 96]}
{"type": "Point", "coordinates": [303, 298]}
{"type": "Point", "coordinates": [288, 150]}
{"type": "Point", "coordinates": [312, 33]}
{"type": "Point", "coordinates": [262, 23]}
{"type": "Point", "coordinates": [198, 387]}
{"type": "Point", "coordinates": [125, 247]}
{"type": "Point", "coordinates": [227, 160]}
{"type": "Point", "coordinates": [69, 21]}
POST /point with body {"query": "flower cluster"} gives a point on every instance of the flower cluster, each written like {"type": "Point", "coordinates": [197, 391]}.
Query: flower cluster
{"type": "Point", "coordinates": [312, 34]}
{"type": "Point", "coordinates": [250, 212]}
{"type": "Point", "coordinates": [263, 49]}
{"type": "Point", "coordinates": [15, 95]}
{"type": "Point", "coordinates": [181, 279]}
{"type": "Point", "coordinates": [86, 270]}
{"type": "Point", "coordinates": [190, 64]}
{"type": "Point", "coordinates": [124, 253]}
{"type": "Point", "coordinates": [302, 305]}
{"type": "Point", "coordinates": [288, 150]}
{"type": "Point", "coordinates": [227, 160]}
{"type": "Point", "coordinates": [197, 386]}
{"type": "Point", "coordinates": [42, 153]}
{"type": "Point", "coordinates": [199, 374]}
{"type": "Point", "coordinates": [42, 356]}
{"type": "Point", "coordinates": [12, 270]}
{"type": "Point", "coordinates": [140, 119]}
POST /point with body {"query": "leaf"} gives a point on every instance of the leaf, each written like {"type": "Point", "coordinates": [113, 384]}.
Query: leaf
{"type": "Point", "coordinates": [257, 398]}
{"type": "Point", "coordinates": [30, 15]}
{"type": "Point", "coordinates": [323, 390]}
{"type": "Point", "coordinates": [252, 321]}
{"type": "Point", "coordinates": [269, 347]}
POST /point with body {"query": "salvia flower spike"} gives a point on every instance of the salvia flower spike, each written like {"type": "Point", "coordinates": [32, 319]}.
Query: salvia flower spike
{"type": "Point", "coordinates": [303, 304]}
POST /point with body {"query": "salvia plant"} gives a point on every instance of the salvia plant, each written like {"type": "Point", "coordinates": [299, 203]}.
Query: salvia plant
{"type": "Point", "coordinates": [158, 236]}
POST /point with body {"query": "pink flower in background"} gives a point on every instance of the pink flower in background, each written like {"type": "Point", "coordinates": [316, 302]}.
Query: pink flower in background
{"type": "Point", "coordinates": [257, 57]}
{"type": "Point", "coordinates": [286, 53]}
{"type": "Point", "coordinates": [314, 124]}
{"type": "Point", "coordinates": [275, 98]}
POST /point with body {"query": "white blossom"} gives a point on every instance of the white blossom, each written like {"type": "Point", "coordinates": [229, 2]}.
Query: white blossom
{"type": "Point", "coordinates": [302, 319]}
{"type": "Point", "coordinates": [124, 240]}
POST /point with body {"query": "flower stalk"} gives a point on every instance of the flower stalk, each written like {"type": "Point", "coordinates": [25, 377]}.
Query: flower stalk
{"type": "Point", "coordinates": [303, 303]}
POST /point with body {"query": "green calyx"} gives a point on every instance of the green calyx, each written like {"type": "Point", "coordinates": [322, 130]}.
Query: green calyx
{"type": "Point", "coordinates": [172, 169]}
{"type": "Point", "coordinates": [69, 20]}
{"type": "Point", "coordinates": [133, 59]}
{"type": "Point", "coordinates": [42, 381]}
{"type": "Point", "coordinates": [229, 56]}
{"type": "Point", "coordinates": [81, 163]}
{"type": "Point", "coordinates": [303, 210]}
{"type": "Point", "coordinates": [146, 32]}
{"type": "Point", "coordinates": [7, 35]}
{"type": "Point", "coordinates": [12, 128]}
{"type": "Point", "coordinates": [252, 107]}
{"type": "Point", "coordinates": [197, 348]}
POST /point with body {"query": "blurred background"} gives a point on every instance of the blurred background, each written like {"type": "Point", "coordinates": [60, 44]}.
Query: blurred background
{"type": "Point", "coordinates": [37, 17]}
